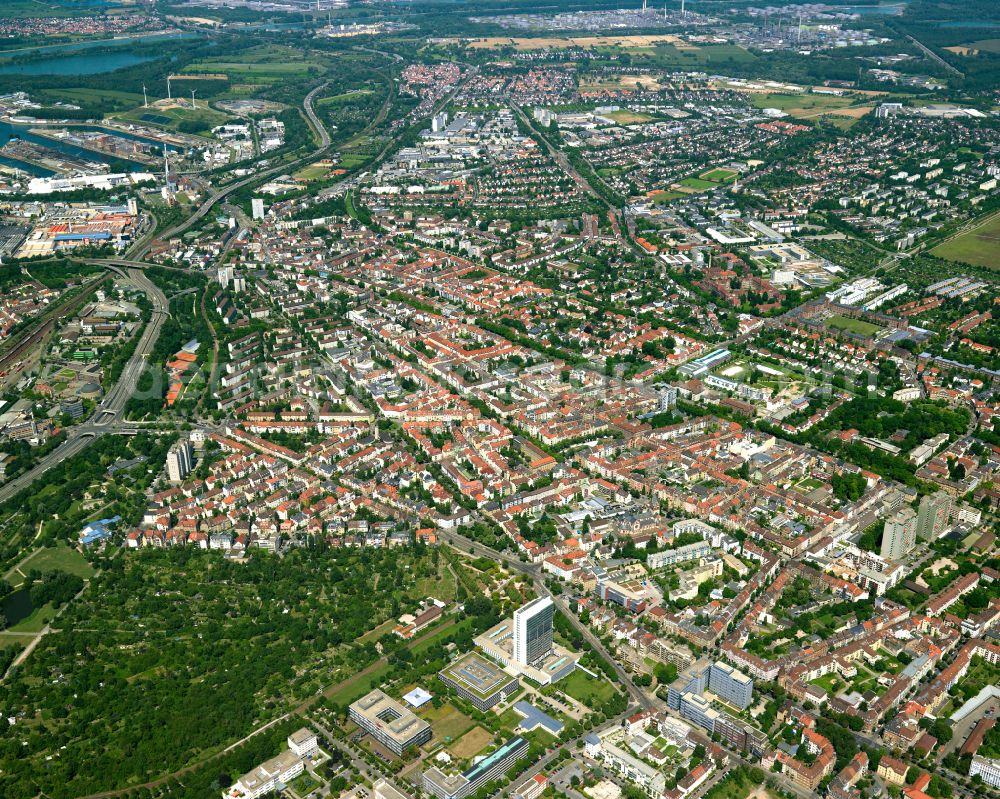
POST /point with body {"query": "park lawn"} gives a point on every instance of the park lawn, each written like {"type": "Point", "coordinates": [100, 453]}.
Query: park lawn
{"type": "Point", "coordinates": [19, 641]}
{"type": "Point", "coordinates": [36, 621]}
{"type": "Point", "coordinates": [858, 326]}
{"type": "Point", "coordinates": [472, 743]}
{"type": "Point", "coordinates": [58, 558]}
{"type": "Point", "coordinates": [830, 683]}
{"type": "Point", "coordinates": [586, 689]}
{"type": "Point", "coordinates": [979, 246]}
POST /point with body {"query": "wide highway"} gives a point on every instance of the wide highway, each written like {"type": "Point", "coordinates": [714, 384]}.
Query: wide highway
{"type": "Point", "coordinates": [224, 192]}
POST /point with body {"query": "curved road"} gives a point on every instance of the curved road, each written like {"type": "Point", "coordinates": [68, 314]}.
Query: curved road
{"type": "Point", "coordinates": [224, 192]}
{"type": "Point", "coordinates": [105, 418]}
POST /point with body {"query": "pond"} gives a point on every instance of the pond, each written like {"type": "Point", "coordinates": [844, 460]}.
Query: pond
{"type": "Point", "coordinates": [17, 606]}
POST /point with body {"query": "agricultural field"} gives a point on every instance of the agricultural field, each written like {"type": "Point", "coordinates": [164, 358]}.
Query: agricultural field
{"type": "Point", "coordinates": [979, 246]}
{"type": "Point", "coordinates": [59, 8]}
{"type": "Point", "coordinates": [843, 111]}
{"type": "Point", "coordinates": [973, 49]}
{"type": "Point", "coordinates": [669, 56]}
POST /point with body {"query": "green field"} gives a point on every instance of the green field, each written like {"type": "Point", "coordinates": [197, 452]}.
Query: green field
{"type": "Point", "coordinates": [47, 559]}
{"type": "Point", "coordinates": [449, 723]}
{"type": "Point", "coordinates": [979, 246]}
{"type": "Point", "coordinates": [800, 105]}
{"type": "Point", "coordinates": [858, 326]}
{"type": "Point", "coordinates": [720, 175]}
{"type": "Point", "coordinates": [666, 55]}
{"type": "Point", "coordinates": [986, 45]}
{"type": "Point", "coordinates": [20, 641]}
{"type": "Point", "coordinates": [698, 183]}
{"type": "Point", "coordinates": [16, 9]}
{"type": "Point", "coordinates": [341, 98]}
{"type": "Point", "coordinates": [667, 196]}
{"type": "Point", "coordinates": [584, 688]}
{"type": "Point", "coordinates": [198, 120]}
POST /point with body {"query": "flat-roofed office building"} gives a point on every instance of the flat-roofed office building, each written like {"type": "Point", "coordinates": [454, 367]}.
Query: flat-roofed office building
{"type": "Point", "coordinates": [494, 765]}
{"type": "Point", "coordinates": [391, 724]}
{"type": "Point", "coordinates": [480, 682]}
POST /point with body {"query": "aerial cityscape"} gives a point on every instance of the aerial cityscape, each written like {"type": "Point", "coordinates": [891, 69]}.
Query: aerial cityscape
{"type": "Point", "coordinates": [462, 398]}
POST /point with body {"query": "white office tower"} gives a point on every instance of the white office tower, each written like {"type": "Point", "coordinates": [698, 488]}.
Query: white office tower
{"type": "Point", "coordinates": [133, 207]}
{"type": "Point", "coordinates": [239, 284]}
{"type": "Point", "coordinates": [225, 274]}
{"type": "Point", "coordinates": [533, 631]}
{"type": "Point", "coordinates": [180, 460]}
{"type": "Point", "coordinates": [439, 122]}
{"type": "Point", "coordinates": [257, 208]}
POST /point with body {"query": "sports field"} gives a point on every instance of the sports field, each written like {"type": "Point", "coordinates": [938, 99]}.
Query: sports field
{"type": "Point", "coordinates": [979, 246]}
{"type": "Point", "coordinates": [720, 175]}
{"type": "Point", "coordinates": [858, 326]}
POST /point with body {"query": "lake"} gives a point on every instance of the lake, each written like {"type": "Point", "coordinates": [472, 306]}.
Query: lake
{"type": "Point", "coordinates": [869, 11]}
{"type": "Point", "coordinates": [75, 47]}
{"type": "Point", "coordinates": [75, 64]}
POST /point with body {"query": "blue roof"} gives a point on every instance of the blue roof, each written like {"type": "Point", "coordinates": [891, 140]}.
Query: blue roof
{"type": "Point", "coordinates": [533, 717]}
{"type": "Point", "coordinates": [102, 235]}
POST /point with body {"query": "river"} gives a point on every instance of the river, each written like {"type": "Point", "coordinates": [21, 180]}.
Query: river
{"type": "Point", "coordinates": [10, 131]}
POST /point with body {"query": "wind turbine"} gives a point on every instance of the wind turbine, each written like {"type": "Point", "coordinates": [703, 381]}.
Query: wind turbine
{"type": "Point", "coordinates": [168, 88]}
{"type": "Point", "coordinates": [145, 102]}
{"type": "Point", "coordinates": [193, 106]}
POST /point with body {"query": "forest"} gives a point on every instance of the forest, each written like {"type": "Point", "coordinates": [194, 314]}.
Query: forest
{"type": "Point", "coordinates": [171, 655]}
